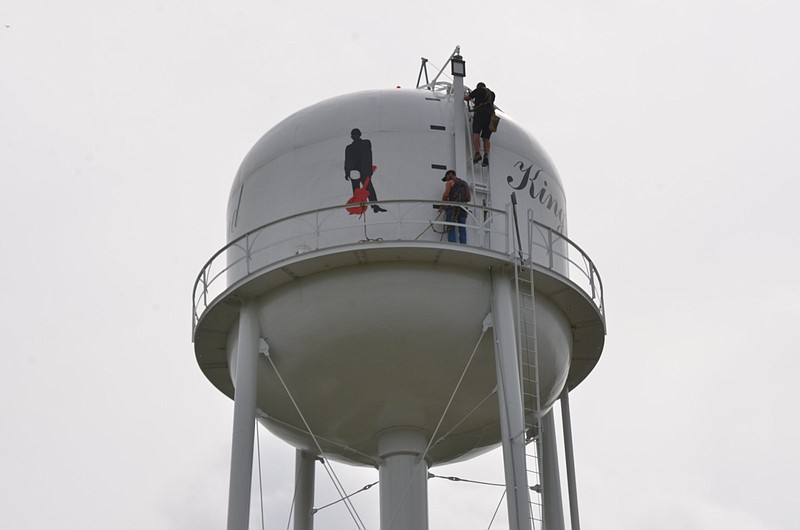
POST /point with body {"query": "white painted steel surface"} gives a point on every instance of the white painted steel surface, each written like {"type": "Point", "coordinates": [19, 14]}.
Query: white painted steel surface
{"type": "Point", "coordinates": [299, 166]}
{"type": "Point", "coordinates": [369, 316]}
{"type": "Point", "coordinates": [352, 318]}
{"type": "Point", "coordinates": [383, 348]}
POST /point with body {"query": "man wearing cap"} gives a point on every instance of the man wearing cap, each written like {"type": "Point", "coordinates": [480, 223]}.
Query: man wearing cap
{"type": "Point", "coordinates": [456, 190]}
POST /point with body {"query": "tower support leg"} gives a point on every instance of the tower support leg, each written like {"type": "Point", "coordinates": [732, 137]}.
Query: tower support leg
{"type": "Point", "coordinates": [551, 482]}
{"type": "Point", "coordinates": [403, 480]}
{"type": "Point", "coordinates": [304, 490]}
{"type": "Point", "coordinates": [569, 455]}
{"type": "Point", "coordinates": [509, 393]}
{"type": "Point", "coordinates": [244, 417]}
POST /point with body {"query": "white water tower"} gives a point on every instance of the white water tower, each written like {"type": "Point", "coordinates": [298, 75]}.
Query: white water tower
{"type": "Point", "coordinates": [353, 330]}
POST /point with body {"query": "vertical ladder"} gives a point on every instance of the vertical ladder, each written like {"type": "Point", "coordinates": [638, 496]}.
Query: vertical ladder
{"type": "Point", "coordinates": [478, 178]}
{"type": "Point", "coordinates": [478, 175]}
{"type": "Point", "coordinates": [529, 380]}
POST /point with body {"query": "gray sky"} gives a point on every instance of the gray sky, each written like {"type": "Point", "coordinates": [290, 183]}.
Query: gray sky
{"type": "Point", "coordinates": [674, 126]}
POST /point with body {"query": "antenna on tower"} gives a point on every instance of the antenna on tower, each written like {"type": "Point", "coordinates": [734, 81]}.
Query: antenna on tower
{"type": "Point", "coordinates": [423, 69]}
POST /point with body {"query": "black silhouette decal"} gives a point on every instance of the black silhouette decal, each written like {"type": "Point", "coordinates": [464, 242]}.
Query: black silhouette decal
{"type": "Point", "coordinates": [358, 169]}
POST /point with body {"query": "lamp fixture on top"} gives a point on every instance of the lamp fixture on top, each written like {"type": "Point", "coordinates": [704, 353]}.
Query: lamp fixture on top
{"type": "Point", "coordinates": [458, 67]}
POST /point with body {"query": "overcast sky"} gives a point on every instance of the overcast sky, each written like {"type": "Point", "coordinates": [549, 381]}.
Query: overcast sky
{"type": "Point", "coordinates": [674, 125]}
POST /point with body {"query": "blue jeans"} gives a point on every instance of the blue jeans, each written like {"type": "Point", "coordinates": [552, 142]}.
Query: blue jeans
{"type": "Point", "coordinates": [458, 215]}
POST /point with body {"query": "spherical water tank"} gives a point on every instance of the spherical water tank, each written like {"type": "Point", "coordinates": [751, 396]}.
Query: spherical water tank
{"type": "Point", "coordinates": [370, 316]}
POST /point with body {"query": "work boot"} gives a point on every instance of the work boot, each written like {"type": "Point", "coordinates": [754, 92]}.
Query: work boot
{"type": "Point", "coordinates": [476, 158]}
{"type": "Point", "coordinates": [377, 209]}
{"type": "Point", "coordinates": [485, 160]}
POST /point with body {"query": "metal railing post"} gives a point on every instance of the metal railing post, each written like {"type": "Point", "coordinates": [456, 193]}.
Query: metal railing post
{"type": "Point", "coordinates": [509, 229]}
{"type": "Point", "coordinates": [486, 237]}
{"type": "Point", "coordinates": [399, 226]}
{"type": "Point", "coordinates": [316, 226]}
{"type": "Point", "coordinates": [247, 252]}
{"type": "Point", "coordinates": [530, 238]}
{"type": "Point", "coordinates": [205, 288]}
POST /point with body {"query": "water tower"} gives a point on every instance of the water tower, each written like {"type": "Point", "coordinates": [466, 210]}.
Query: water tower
{"type": "Point", "coordinates": [342, 319]}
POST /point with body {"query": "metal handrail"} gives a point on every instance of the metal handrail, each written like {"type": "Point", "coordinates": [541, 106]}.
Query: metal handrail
{"type": "Point", "coordinates": [552, 242]}
{"type": "Point", "coordinates": [564, 257]}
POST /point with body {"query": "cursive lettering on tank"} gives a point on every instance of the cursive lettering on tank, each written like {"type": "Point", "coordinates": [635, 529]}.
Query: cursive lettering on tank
{"type": "Point", "coordinates": [537, 188]}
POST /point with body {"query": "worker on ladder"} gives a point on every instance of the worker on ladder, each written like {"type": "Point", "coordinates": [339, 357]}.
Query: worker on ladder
{"type": "Point", "coordinates": [484, 109]}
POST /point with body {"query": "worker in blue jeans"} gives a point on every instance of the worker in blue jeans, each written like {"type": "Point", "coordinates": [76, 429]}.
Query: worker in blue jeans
{"type": "Point", "coordinates": [456, 190]}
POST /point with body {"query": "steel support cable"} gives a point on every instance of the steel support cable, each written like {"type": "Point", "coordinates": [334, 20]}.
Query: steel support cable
{"type": "Point", "coordinates": [294, 496]}
{"type": "Point", "coordinates": [458, 479]}
{"type": "Point", "coordinates": [453, 394]}
{"type": "Point", "coordinates": [467, 415]}
{"type": "Point", "coordinates": [331, 474]}
{"type": "Point", "coordinates": [497, 509]}
{"type": "Point", "coordinates": [365, 488]}
{"type": "Point", "coordinates": [363, 216]}
{"type": "Point", "coordinates": [438, 425]}
{"type": "Point", "coordinates": [260, 480]}
{"type": "Point", "coordinates": [345, 497]}
{"type": "Point", "coordinates": [431, 227]}
{"type": "Point", "coordinates": [431, 85]}
{"type": "Point", "coordinates": [326, 440]}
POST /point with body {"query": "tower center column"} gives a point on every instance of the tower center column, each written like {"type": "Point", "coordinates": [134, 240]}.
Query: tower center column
{"type": "Point", "coordinates": [403, 480]}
